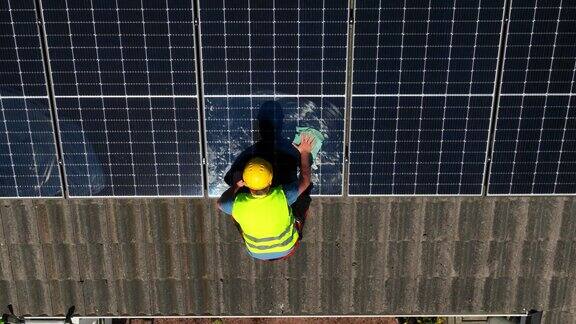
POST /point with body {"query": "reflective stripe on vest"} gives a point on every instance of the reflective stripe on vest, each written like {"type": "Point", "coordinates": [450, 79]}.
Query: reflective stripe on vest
{"type": "Point", "coordinates": [267, 222]}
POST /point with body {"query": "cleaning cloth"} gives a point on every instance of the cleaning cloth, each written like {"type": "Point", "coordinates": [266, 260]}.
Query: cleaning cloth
{"type": "Point", "coordinates": [318, 139]}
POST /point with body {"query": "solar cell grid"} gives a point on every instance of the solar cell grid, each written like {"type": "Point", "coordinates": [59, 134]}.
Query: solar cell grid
{"type": "Point", "coordinates": [137, 146]}
{"type": "Point", "coordinates": [126, 95]}
{"type": "Point", "coordinates": [22, 70]}
{"type": "Point", "coordinates": [28, 162]}
{"type": "Point", "coordinates": [228, 137]}
{"type": "Point", "coordinates": [446, 136]}
{"type": "Point", "coordinates": [293, 52]}
{"type": "Point", "coordinates": [284, 47]}
{"type": "Point", "coordinates": [540, 49]}
{"type": "Point", "coordinates": [423, 85]}
{"type": "Point", "coordinates": [121, 47]}
{"type": "Point", "coordinates": [535, 132]}
{"type": "Point", "coordinates": [426, 47]}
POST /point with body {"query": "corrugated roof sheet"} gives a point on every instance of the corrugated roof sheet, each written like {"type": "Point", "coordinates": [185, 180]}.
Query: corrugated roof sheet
{"type": "Point", "coordinates": [359, 256]}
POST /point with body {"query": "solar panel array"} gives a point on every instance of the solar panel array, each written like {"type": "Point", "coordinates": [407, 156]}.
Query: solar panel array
{"type": "Point", "coordinates": [28, 159]}
{"type": "Point", "coordinates": [423, 83]}
{"type": "Point", "coordinates": [426, 114]}
{"type": "Point", "coordinates": [124, 79]}
{"type": "Point", "coordinates": [534, 150]}
{"type": "Point", "coordinates": [291, 52]}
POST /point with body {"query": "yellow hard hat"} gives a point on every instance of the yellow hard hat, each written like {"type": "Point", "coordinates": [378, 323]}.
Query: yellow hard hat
{"type": "Point", "coordinates": [257, 174]}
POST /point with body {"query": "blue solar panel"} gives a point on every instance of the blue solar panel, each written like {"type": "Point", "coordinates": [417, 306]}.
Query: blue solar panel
{"type": "Point", "coordinates": [292, 52]}
{"type": "Point", "coordinates": [140, 48]}
{"type": "Point", "coordinates": [423, 84]}
{"type": "Point", "coordinates": [418, 145]}
{"type": "Point", "coordinates": [535, 131]}
{"type": "Point", "coordinates": [540, 49]}
{"type": "Point", "coordinates": [135, 146]}
{"type": "Point", "coordinates": [28, 161]}
{"type": "Point", "coordinates": [534, 150]}
{"type": "Point", "coordinates": [126, 95]}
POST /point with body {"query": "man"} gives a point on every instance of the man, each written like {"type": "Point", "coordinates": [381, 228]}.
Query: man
{"type": "Point", "coordinates": [263, 213]}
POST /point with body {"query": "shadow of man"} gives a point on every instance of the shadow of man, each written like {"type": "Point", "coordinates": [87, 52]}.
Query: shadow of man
{"type": "Point", "coordinates": [279, 151]}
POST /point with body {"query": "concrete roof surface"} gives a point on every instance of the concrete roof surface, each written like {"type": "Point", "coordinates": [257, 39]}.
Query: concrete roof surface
{"type": "Point", "coordinates": [455, 255]}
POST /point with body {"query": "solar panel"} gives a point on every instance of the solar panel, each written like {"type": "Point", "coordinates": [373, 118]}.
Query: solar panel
{"type": "Point", "coordinates": [28, 161]}
{"type": "Point", "coordinates": [423, 86]}
{"type": "Point", "coordinates": [258, 52]}
{"type": "Point", "coordinates": [125, 85]}
{"type": "Point", "coordinates": [535, 131]}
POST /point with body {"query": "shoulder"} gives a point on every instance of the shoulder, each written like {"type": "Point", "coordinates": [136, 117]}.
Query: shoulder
{"type": "Point", "coordinates": [291, 192]}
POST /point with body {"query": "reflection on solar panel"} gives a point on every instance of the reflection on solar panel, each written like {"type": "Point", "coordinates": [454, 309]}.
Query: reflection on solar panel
{"type": "Point", "coordinates": [292, 52]}
{"type": "Point", "coordinates": [423, 85]}
{"type": "Point", "coordinates": [536, 130]}
{"type": "Point", "coordinates": [125, 86]}
{"type": "Point", "coordinates": [28, 161]}
{"type": "Point", "coordinates": [228, 137]}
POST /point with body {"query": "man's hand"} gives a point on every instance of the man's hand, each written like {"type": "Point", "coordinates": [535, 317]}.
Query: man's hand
{"type": "Point", "coordinates": [237, 178]}
{"type": "Point", "coordinates": [305, 148]}
{"type": "Point", "coordinates": [306, 144]}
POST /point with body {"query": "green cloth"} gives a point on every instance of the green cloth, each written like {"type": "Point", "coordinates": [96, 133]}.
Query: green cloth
{"type": "Point", "coordinates": [318, 139]}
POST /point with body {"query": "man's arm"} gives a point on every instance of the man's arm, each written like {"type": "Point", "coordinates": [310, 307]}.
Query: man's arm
{"type": "Point", "coordinates": [305, 148]}
{"type": "Point", "coordinates": [227, 198]}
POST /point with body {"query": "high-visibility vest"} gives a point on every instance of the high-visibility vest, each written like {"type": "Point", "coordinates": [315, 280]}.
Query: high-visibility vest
{"type": "Point", "coordinates": [267, 222]}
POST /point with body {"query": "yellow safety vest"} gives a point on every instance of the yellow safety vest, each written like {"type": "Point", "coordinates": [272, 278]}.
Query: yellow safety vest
{"type": "Point", "coordinates": [267, 222]}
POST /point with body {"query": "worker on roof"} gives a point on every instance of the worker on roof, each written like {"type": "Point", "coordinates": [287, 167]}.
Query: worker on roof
{"type": "Point", "coordinates": [262, 212]}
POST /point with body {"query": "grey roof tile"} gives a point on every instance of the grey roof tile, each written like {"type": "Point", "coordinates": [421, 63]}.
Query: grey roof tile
{"type": "Point", "coordinates": [162, 223]}
{"type": "Point", "coordinates": [401, 295]}
{"type": "Point", "coordinates": [61, 261]}
{"type": "Point", "coordinates": [19, 221]}
{"type": "Point", "coordinates": [55, 222]}
{"type": "Point", "coordinates": [167, 297]}
{"type": "Point", "coordinates": [125, 221]}
{"type": "Point", "coordinates": [463, 293]}
{"type": "Point", "coordinates": [434, 295]}
{"type": "Point", "coordinates": [474, 220]}
{"type": "Point", "coordinates": [406, 220]}
{"type": "Point", "coordinates": [497, 293]}
{"type": "Point", "coordinates": [133, 297]}
{"type": "Point", "coordinates": [101, 297]}
{"type": "Point", "coordinates": [64, 294]}
{"type": "Point", "coordinates": [5, 264]}
{"type": "Point", "coordinates": [359, 255]}
{"type": "Point", "coordinates": [34, 297]}
{"type": "Point", "coordinates": [135, 260]}
{"type": "Point", "coordinates": [95, 261]}
{"type": "Point", "coordinates": [9, 295]}
{"type": "Point", "coordinates": [201, 296]}
{"type": "Point", "coordinates": [197, 261]}
{"type": "Point", "coordinates": [568, 226]}
{"type": "Point", "coordinates": [565, 258]}
{"type": "Point", "coordinates": [370, 223]}
{"type": "Point", "coordinates": [436, 259]}
{"type": "Point", "coordinates": [509, 219]}
{"type": "Point", "coordinates": [544, 219]}
{"type": "Point", "coordinates": [90, 222]}
{"type": "Point", "coordinates": [164, 261]}
{"type": "Point", "coordinates": [470, 259]}
{"type": "Point", "coordinates": [27, 262]}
